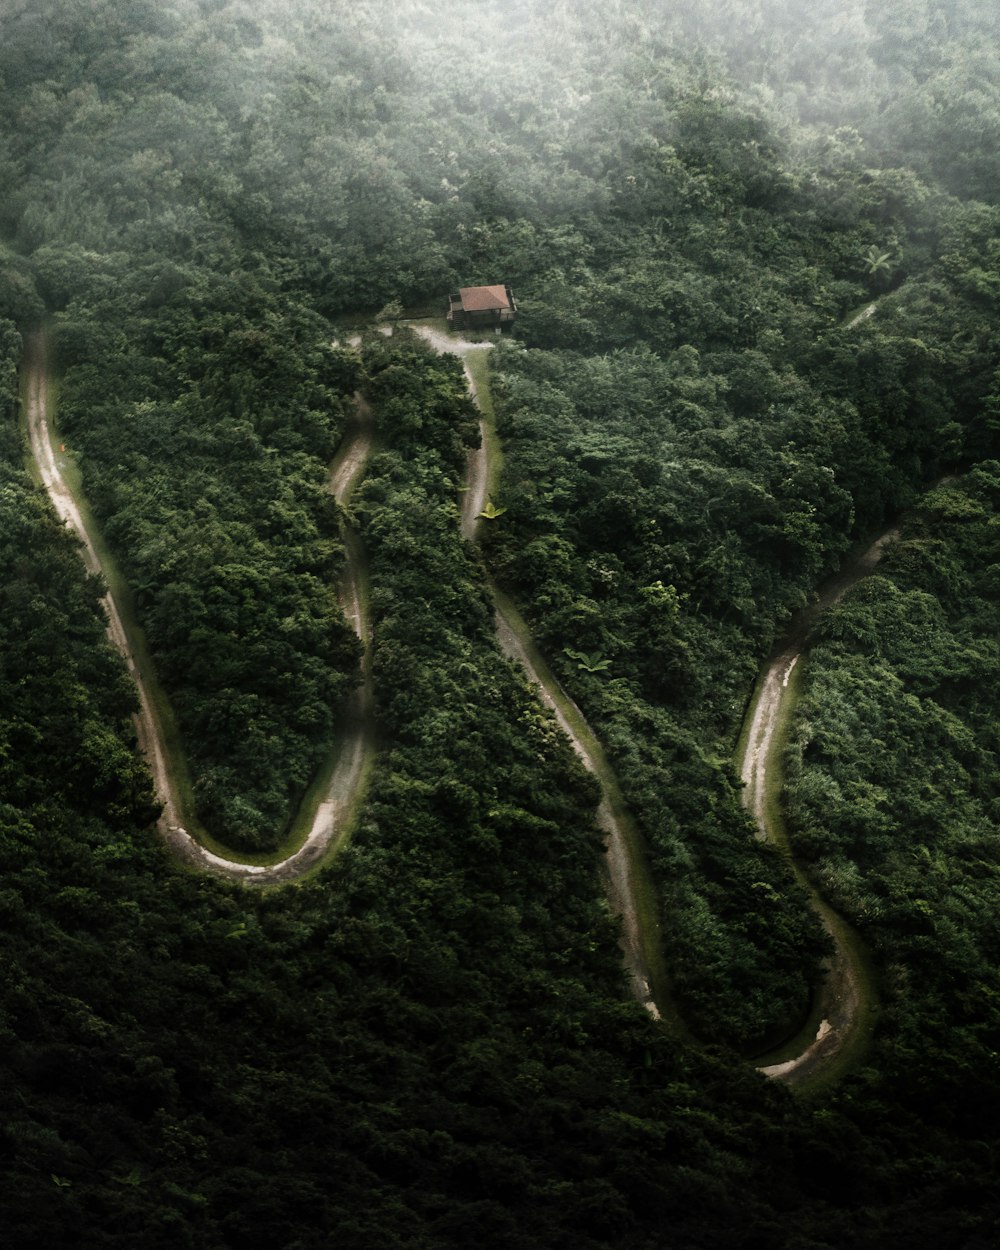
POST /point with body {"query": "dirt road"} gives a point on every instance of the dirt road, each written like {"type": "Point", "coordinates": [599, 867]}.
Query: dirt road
{"type": "Point", "coordinates": [357, 747]}
{"type": "Point", "coordinates": [43, 451]}
{"type": "Point", "coordinates": [514, 639]}
{"type": "Point", "coordinates": [846, 1001]}
{"type": "Point", "coordinates": [477, 466]}
{"type": "Point", "coordinates": [843, 992]}
{"type": "Point", "coordinates": [622, 893]}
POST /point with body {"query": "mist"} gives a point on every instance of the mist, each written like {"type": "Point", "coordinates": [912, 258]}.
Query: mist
{"type": "Point", "coordinates": [746, 258]}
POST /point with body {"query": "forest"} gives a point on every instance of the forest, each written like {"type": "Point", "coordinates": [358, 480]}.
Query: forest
{"type": "Point", "coordinates": [755, 247]}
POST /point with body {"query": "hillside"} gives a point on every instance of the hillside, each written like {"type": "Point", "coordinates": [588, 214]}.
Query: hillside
{"type": "Point", "coordinates": [209, 207]}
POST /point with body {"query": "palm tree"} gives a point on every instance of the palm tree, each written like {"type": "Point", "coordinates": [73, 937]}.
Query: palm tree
{"type": "Point", "coordinates": [589, 663]}
{"type": "Point", "coordinates": [879, 263]}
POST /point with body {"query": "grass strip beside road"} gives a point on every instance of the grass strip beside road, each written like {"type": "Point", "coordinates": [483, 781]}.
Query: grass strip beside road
{"type": "Point", "coordinates": [478, 366]}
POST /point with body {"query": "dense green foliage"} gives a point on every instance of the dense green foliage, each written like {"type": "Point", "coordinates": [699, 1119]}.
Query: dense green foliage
{"type": "Point", "coordinates": [204, 432]}
{"type": "Point", "coordinates": [894, 795]}
{"type": "Point", "coordinates": [668, 506]}
{"type": "Point", "coordinates": [65, 697]}
{"type": "Point", "coordinates": [417, 1045]}
{"type": "Point", "coordinates": [430, 1045]}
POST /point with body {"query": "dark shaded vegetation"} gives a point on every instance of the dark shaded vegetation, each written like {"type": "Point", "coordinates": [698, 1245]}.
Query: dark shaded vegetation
{"type": "Point", "coordinates": [668, 508]}
{"type": "Point", "coordinates": [894, 791]}
{"type": "Point", "coordinates": [430, 1045]}
{"type": "Point", "coordinates": [421, 1040]}
{"type": "Point", "coordinates": [66, 699]}
{"type": "Point", "coordinates": [204, 433]}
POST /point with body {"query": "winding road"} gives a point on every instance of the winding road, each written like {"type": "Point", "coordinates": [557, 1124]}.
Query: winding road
{"type": "Point", "coordinates": [639, 937]}
{"type": "Point", "coordinates": [329, 824]}
{"type": "Point", "coordinates": [356, 753]}
{"type": "Point", "coordinates": [845, 1001]}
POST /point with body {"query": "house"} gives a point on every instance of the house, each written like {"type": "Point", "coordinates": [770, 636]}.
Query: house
{"type": "Point", "coordinates": [481, 308]}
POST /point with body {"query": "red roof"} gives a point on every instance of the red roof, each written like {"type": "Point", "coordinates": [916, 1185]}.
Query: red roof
{"type": "Point", "coordinates": [482, 298]}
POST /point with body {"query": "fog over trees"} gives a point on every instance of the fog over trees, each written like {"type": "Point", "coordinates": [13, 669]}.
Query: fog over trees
{"type": "Point", "coordinates": [754, 249]}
